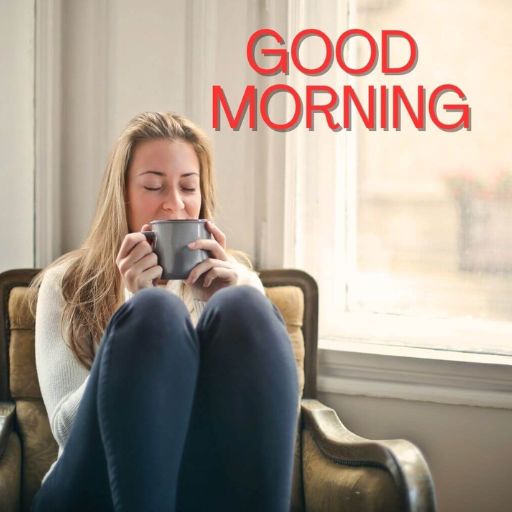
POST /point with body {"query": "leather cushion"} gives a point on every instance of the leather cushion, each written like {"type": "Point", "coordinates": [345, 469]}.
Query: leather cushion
{"type": "Point", "coordinates": [22, 376]}
{"type": "Point", "coordinates": [20, 316]}
{"type": "Point", "coordinates": [10, 475]}
{"type": "Point", "coordinates": [39, 447]}
{"type": "Point", "coordinates": [297, 497]}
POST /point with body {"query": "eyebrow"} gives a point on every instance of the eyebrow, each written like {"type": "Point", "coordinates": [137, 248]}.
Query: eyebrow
{"type": "Point", "coordinates": [158, 173]}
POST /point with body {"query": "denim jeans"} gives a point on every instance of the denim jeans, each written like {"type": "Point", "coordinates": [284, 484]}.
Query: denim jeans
{"type": "Point", "coordinates": [181, 418]}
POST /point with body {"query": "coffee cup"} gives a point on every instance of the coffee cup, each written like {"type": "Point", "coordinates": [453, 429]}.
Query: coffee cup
{"type": "Point", "coordinates": [170, 239]}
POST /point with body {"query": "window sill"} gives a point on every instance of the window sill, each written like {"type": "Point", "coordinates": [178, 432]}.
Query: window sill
{"type": "Point", "coordinates": [453, 334]}
{"type": "Point", "coordinates": [355, 367]}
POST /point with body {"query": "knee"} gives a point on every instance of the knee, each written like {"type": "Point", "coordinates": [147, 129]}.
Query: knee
{"type": "Point", "coordinates": [154, 305]}
{"type": "Point", "coordinates": [152, 314]}
{"type": "Point", "coordinates": [240, 310]}
{"type": "Point", "coordinates": [240, 302]}
{"type": "Point", "coordinates": [242, 322]}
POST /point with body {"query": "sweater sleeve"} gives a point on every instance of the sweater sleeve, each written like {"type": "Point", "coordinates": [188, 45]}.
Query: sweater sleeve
{"type": "Point", "coordinates": [249, 277]}
{"type": "Point", "coordinates": [62, 378]}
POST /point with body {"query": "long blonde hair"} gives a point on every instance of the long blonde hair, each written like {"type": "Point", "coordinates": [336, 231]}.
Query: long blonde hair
{"type": "Point", "coordinates": [92, 285]}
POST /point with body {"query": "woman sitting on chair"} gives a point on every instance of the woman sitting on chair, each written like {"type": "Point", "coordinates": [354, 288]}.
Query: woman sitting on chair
{"type": "Point", "coordinates": [162, 395]}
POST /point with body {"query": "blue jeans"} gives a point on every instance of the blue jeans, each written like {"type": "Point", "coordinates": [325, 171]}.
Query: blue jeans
{"type": "Point", "coordinates": [177, 418]}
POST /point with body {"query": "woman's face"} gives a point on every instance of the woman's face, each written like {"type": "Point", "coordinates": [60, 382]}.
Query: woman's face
{"type": "Point", "coordinates": [162, 182]}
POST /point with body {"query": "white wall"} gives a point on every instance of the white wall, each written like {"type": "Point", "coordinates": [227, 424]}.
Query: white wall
{"type": "Point", "coordinates": [118, 59]}
{"type": "Point", "coordinates": [16, 133]}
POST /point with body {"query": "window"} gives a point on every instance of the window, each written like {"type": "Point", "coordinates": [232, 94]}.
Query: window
{"type": "Point", "coordinates": [409, 233]}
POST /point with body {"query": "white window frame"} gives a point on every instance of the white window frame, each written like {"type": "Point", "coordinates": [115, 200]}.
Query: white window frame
{"type": "Point", "coordinates": [356, 364]}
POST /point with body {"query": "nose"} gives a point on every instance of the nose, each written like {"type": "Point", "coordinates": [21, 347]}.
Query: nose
{"type": "Point", "coordinates": [173, 202]}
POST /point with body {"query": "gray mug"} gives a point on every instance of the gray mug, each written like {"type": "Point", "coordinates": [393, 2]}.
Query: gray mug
{"type": "Point", "coordinates": [170, 238]}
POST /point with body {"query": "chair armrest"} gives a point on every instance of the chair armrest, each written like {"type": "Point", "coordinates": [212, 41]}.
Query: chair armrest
{"type": "Point", "coordinates": [6, 423]}
{"type": "Point", "coordinates": [401, 459]}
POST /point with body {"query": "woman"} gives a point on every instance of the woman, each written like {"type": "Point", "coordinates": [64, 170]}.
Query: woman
{"type": "Point", "coordinates": [162, 396]}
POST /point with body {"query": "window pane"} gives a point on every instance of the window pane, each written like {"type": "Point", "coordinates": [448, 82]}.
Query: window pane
{"type": "Point", "coordinates": [434, 208]}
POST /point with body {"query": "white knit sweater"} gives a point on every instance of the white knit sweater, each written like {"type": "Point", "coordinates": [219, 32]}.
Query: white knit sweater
{"type": "Point", "coordinates": [62, 378]}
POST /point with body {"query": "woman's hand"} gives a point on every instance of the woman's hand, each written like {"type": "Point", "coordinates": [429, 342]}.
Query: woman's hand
{"type": "Point", "coordinates": [137, 262]}
{"type": "Point", "coordinates": [219, 270]}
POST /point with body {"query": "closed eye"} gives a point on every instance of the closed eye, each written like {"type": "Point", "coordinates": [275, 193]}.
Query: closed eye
{"type": "Point", "coordinates": [149, 188]}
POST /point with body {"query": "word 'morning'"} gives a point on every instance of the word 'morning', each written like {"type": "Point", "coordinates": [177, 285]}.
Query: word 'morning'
{"type": "Point", "coordinates": [373, 116]}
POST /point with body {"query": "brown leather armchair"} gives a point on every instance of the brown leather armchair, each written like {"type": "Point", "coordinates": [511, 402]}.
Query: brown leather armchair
{"type": "Point", "coordinates": [335, 470]}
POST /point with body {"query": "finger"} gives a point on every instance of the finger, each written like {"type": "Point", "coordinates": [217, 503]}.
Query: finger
{"type": "Point", "coordinates": [147, 229]}
{"type": "Point", "coordinates": [145, 263]}
{"type": "Point", "coordinates": [212, 246]}
{"type": "Point", "coordinates": [217, 233]}
{"type": "Point", "coordinates": [203, 267]}
{"type": "Point", "coordinates": [138, 252]}
{"type": "Point", "coordinates": [138, 279]}
{"type": "Point", "coordinates": [227, 275]}
{"type": "Point", "coordinates": [149, 276]}
{"type": "Point", "coordinates": [128, 243]}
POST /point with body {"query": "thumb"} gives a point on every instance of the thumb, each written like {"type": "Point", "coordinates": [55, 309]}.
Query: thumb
{"type": "Point", "coordinates": [146, 227]}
